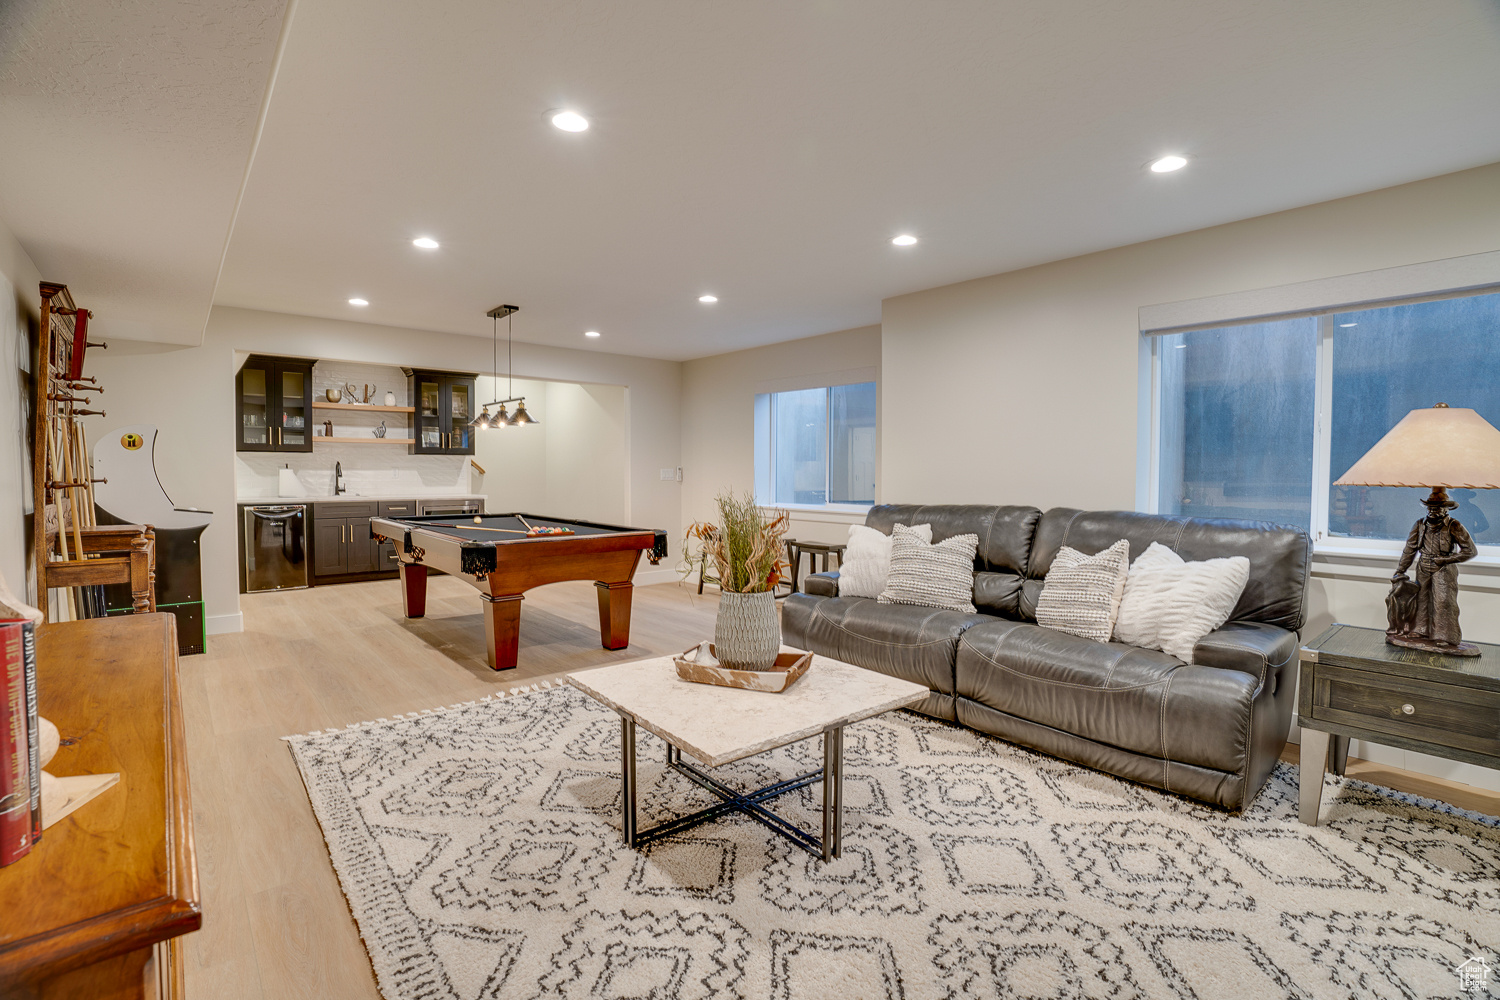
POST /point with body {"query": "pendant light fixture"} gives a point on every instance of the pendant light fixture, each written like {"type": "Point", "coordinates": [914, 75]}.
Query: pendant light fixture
{"type": "Point", "coordinates": [501, 418]}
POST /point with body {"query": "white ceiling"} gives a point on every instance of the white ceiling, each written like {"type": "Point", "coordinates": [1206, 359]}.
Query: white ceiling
{"type": "Point", "coordinates": [124, 132]}
{"type": "Point", "coordinates": [765, 152]}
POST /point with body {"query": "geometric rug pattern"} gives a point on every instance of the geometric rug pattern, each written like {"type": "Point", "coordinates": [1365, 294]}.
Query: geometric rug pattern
{"type": "Point", "coordinates": [479, 849]}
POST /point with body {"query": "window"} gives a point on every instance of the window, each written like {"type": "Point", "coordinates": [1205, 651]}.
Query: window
{"type": "Point", "coordinates": [816, 446]}
{"type": "Point", "coordinates": [1257, 420]}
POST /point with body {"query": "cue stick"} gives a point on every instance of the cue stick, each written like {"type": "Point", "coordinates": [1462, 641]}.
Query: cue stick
{"type": "Point", "coordinates": [68, 451]}
{"type": "Point", "coordinates": [87, 468]}
{"type": "Point", "coordinates": [67, 609]}
{"type": "Point", "coordinates": [475, 527]}
{"type": "Point", "coordinates": [72, 492]}
{"type": "Point", "coordinates": [525, 522]}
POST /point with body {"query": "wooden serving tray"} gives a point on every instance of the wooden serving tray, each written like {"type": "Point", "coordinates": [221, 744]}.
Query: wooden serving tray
{"type": "Point", "coordinates": [787, 669]}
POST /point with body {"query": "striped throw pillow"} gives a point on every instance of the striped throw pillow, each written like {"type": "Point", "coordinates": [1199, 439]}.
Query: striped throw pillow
{"type": "Point", "coordinates": [1081, 595]}
{"type": "Point", "coordinates": [939, 575]}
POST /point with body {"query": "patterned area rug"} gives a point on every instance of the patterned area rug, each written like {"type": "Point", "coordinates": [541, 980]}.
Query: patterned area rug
{"type": "Point", "coordinates": [479, 848]}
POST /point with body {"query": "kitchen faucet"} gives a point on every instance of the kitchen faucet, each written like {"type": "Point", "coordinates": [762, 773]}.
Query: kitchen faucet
{"type": "Point", "coordinates": [338, 478]}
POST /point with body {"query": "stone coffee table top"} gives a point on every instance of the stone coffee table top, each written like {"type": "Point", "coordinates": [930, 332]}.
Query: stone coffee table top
{"type": "Point", "coordinates": [717, 725]}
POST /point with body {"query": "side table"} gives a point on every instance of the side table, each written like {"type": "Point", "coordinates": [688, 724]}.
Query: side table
{"type": "Point", "coordinates": [794, 550]}
{"type": "Point", "coordinates": [1352, 684]}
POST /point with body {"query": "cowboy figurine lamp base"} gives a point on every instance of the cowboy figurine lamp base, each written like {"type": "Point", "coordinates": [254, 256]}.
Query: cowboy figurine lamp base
{"type": "Point", "coordinates": [1442, 448]}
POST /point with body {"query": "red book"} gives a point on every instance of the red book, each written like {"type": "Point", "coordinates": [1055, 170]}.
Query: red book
{"type": "Point", "coordinates": [33, 729]}
{"type": "Point", "coordinates": [15, 752]}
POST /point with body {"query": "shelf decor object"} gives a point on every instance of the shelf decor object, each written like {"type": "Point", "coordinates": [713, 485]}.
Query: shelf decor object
{"type": "Point", "coordinates": [745, 550]}
{"type": "Point", "coordinates": [501, 418]}
{"type": "Point", "coordinates": [1441, 448]}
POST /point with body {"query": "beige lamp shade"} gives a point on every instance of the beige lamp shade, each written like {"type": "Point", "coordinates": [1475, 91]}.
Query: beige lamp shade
{"type": "Point", "coordinates": [1445, 446]}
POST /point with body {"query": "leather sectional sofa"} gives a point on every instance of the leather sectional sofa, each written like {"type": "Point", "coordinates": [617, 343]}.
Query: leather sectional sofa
{"type": "Point", "coordinates": [1212, 729]}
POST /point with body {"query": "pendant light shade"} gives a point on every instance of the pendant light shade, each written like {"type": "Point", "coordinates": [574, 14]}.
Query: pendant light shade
{"type": "Point", "coordinates": [522, 418]}
{"type": "Point", "coordinates": [502, 418]}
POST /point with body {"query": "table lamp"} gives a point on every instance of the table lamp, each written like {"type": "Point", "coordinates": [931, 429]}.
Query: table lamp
{"type": "Point", "coordinates": [1439, 449]}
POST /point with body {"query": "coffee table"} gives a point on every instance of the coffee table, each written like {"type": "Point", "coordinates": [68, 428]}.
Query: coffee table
{"type": "Point", "coordinates": [717, 725]}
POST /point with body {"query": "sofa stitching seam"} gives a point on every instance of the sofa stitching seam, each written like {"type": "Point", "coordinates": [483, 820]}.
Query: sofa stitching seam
{"type": "Point", "coordinates": [1042, 680]}
{"type": "Point", "coordinates": [883, 642]}
{"type": "Point", "coordinates": [1165, 763]}
{"type": "Point", "coordinates": [1119, 658]}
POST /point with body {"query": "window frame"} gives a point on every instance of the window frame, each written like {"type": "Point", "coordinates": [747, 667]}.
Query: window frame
{"type": "Point", "coordinates": [765, 441]}
{"type": "Point", "coordinates": [1149, 485]}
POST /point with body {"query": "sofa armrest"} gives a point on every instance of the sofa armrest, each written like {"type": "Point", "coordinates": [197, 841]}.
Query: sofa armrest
{"type": "Point", "coordinates": [1262, 651]}
{"type": "Point", "coordinates": [821, 584]}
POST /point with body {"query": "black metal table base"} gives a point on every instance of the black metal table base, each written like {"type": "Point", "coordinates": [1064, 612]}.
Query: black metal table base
{"type": "Point", "coordinates": [750, 803]}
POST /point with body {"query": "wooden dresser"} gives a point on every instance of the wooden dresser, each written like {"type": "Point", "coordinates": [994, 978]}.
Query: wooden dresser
{"type": "Point", "coordinates": [93, 910]}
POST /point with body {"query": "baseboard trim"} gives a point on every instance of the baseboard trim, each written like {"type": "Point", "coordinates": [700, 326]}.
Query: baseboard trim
{"type": "Point", "coordinates": [224, 624]}
{"type": "Point", "coordinates": [659, 574]}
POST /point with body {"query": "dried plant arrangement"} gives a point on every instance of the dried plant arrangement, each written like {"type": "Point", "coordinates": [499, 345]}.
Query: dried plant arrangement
{"type": "Point", "coordinates": [743, 553]}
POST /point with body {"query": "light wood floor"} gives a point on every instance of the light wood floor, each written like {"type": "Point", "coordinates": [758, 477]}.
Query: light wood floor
{"type": "Point", "coordinates": [275, 922]}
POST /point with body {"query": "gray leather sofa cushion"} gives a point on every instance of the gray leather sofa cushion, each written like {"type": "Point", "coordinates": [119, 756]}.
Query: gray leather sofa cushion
{"type": "Point", "coordinates": [821, 584]}
{"type": "Point", "coordinates": [1228, 789]}
{"type": "Point", "coordinates": [914, 643]}
{"type": "Point", "coordinates": [1263, 651]}
{"type": "Point", "coordinates": [1276, 593]}
{"type": "Point", "coordinates": [1005, 537]}
{"type": "Point", "coordinates": [1139, 700]}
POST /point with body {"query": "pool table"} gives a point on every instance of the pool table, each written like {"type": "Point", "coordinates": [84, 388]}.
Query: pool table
{"type": "Point", "coordinates": [505, 555]}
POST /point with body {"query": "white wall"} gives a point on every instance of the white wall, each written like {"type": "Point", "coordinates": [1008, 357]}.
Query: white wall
{"type": "Point", "coordinates": [514, 459]}
{"type": "Point", "coordinates": [189, 394]}
{"type": "Point", "coordinates": [586, 468]}
{"type": "Point", "coordinates": [573, 464]}
{"type": "Point", "coordinates": [1027, 381]}
{"type": "Point", "coordinates": [20, 308]}
{"type": "Point", "coordinates": [718, 427]}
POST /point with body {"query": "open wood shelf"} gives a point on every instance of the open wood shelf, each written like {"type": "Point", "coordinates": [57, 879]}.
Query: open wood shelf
{"type": "Point", "coordinates": [371, 407]}
{"type": "Point", "coordinates": [368, 440]}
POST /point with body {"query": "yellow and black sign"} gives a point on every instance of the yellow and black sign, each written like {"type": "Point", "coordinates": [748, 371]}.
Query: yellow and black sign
{"type": "Point", "coordinates": [131, 442]}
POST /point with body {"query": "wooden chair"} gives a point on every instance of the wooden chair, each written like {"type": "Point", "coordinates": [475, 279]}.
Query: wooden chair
{"type": "Point", "coordinates": [127, 554]}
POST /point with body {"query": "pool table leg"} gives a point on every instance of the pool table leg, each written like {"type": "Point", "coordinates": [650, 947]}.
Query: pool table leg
{"type": "Point", "coordinates": [502, 630]}
{"type": "Point", "coordinates": [414, 590]}
{"type": "Point", "coordinates": [614, 613]}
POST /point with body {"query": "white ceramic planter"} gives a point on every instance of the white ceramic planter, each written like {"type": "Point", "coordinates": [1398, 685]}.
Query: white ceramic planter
{"type": "Point", "coordinates": [747, 632]}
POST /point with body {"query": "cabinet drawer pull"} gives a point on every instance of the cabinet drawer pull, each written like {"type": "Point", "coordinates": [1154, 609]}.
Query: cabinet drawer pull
{"type": "Point", "coordinates": [1407, 709]}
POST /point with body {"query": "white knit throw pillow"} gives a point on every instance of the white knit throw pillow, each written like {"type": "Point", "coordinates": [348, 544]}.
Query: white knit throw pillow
{"type": "Point", "coordinates": [866, 561]}
{"type": "Point", "coordinates": [1081, 595]}
{"type": "Point", "coordinates": [1170, 604]}
{"type": "Point", "coordinates": [939, 575]}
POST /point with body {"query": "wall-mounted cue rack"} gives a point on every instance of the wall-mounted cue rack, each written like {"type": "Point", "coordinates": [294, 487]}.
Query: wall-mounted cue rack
{"type": "Point", "coordinates": [73, 552]}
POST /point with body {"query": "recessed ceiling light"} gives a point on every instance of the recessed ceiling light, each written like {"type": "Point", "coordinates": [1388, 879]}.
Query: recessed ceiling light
{"type": "Point", "coordinates": [1346, 326]}
{"type": "Point", "coordinates": [708, 300]}
{"type": "Point", "coordinates": [359, 302]}
{"type": "Point", "coordinates": [1167, 164]}
{"type": "Point", "coordinates": [905, 240]}
{"type": "Point", "coordinates": [591, 333]}
{"type": "Point", "coordinates": [425, 242]}
{"type": "Point", "coordinates": [569, 121]}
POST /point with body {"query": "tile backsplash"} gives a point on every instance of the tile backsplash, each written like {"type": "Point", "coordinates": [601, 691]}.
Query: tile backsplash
{"type": "Point", "coordinates": [380, 469]}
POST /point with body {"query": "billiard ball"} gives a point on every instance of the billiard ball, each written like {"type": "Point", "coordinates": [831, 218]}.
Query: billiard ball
{"type": "Point", "coordinates": [478, 519]}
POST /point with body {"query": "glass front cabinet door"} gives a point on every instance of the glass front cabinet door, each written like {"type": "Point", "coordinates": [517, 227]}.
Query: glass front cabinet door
{"type": "Point", "coordinates": [274, 404]}
{"type": "Point", "coordinates": [427, 421]}
{"type": "Point", "coordinates": [444, 405]}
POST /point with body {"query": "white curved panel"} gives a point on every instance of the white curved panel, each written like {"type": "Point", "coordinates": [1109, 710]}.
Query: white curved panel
{"type": "Point", "coordinates": [125, 457]}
